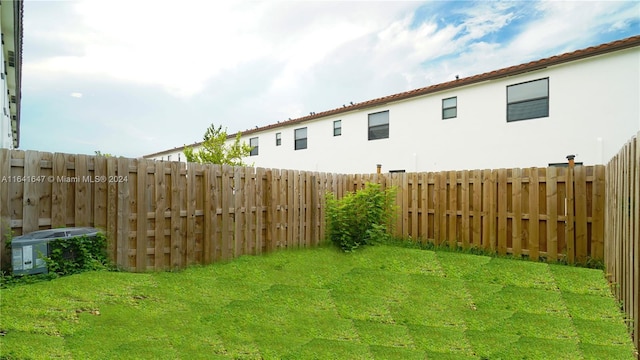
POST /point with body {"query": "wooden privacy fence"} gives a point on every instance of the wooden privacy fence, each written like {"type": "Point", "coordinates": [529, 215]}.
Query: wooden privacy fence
{"type": "Point", "coordinates": [555, 212]}
{"type": "Point", "coordinates": [160, 215]}
{"type": "Point", "coordinates": [622, 250]}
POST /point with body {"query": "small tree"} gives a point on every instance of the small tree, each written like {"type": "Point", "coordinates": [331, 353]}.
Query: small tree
{"type": "Point", "coordinates": [215, 151]}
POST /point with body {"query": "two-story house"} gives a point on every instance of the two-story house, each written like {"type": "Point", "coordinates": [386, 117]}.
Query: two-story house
{"type": "Point", "coordinates": [585, 103]}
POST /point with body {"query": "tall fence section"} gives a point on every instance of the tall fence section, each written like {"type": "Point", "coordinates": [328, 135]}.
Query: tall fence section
{"type": "Point", "coordinates": [160, 215]}
{"type": "Point", "coordinates": [622, 248]}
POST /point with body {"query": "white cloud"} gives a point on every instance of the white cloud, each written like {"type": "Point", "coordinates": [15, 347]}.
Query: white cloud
{"type": "Point", "coordinates": [76, 95]}
{"type": "Point", "coordinates": [155, 74]}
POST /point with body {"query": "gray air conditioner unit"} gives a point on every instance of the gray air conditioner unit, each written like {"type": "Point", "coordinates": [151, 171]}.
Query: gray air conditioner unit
{"type": "Point", "coordinates": [28, 251]}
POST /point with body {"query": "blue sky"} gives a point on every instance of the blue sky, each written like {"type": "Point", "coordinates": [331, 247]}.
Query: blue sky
{"type": "Point", "coordinates": [117, 77]}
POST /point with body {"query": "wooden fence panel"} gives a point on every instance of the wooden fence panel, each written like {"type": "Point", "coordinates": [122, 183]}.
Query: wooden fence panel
{"type": "Point", "coordinates": [169, 215]}
{"type": "Point", "coordinates": [622, 230]}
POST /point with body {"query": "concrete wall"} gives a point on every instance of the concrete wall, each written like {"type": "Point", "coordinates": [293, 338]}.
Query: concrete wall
{"type": "Point", "coordinates": [593, 111]}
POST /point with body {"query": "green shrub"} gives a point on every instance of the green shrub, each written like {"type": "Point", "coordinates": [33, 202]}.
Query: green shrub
{"type": "Point", "coordinates": [78, 254]}
{"type": "Point", "coordinates": [360, 218]}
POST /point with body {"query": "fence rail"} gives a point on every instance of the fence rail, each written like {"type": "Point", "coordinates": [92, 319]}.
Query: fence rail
{"type": "Point", "coordinates": [622, 250]}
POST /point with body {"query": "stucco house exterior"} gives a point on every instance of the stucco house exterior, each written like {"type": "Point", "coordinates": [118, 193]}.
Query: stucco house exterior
{"type": "Point", "coordinates": [10, 76]}
{"type": "Point", "coordinates": [586, 103]}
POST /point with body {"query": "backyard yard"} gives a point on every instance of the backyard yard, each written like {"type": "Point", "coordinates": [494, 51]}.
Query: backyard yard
{"type": "Point", "coordinates": [380, 302]}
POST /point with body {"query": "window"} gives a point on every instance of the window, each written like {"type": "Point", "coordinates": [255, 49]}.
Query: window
{"type": "Point", "coordinates": [528, 100]}
{"type": "Point", "coordinates": [278, 139]}
{"type": "Point", "coordinates": [300, 138]}
{"type": "Point", "coordinates": [379, 125]}
{"type": "Point", "coordinates": [337, 128]}
{"type": "Point", "coordinates": [449, 108]}
{"type": "Point", "coordinates": [253, 142]}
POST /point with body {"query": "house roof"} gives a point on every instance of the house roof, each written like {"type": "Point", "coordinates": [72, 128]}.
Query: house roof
{"type": "Point", "coordinates": [491, 75]}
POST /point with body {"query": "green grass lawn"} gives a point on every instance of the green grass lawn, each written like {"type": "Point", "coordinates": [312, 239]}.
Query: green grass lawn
{"type": "Point", "coordinates": [380, 302]}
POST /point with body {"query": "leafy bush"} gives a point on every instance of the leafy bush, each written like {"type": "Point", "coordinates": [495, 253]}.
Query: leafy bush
{"type": "Point", "coordinates": [78, 254]}
{"type": "Point", "coordinates": [360, 218]}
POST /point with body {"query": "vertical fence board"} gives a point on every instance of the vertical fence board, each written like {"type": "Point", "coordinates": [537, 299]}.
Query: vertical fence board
{"type": "Point", "coordinates": [581, 214]}
{"type": "Point", "coordinates": [226, 191]}
{"type": "Point", "coordinates": [451, 209]}
{"type": "Point", "coordinates": [552, 214]}
{"type": "Point", "coordinates": [160, 195]}
{"type": "Point", "coordinates": [141, 217]}
{"type": "Point", "coordinates": [308, 211]}
{"type": "Point", "coordinates": [122, 236]}
{"type": "Point", "coordinates": [252, 210]}
{"type": "Point", "coordinates": [82, 187]}
{"type": "Point", "coordinates": [260, 216]}
{"type": "Point", "coordinates": [442, 208]}
{"type": "Point", "coordinates": [283, 203]}
{"type": "Point", "coordinates": [112, 203]}
{"type": "Point", "coordinates": [58, 191]}
{"type": "Point", "coordinates": [238, 218]}
{"type": "Point", "coordinates": [464, 204]}
{"type": "Point", "coordinates": [597, 225]}
{"type": "Point", "coordinates": [516, 203]}
{"type": "Point", "coordinates": [424, 206]}
{"type": "Point", "coordinates": [477, 208]}
{"type": "Point", "coordinates": [31, 197]}
{"type": "Point", "coordinates": [270, 208]}
{"type": "Point", "coordinates": [176, 233]}
{"type": "Point", "coordinates": [5, 207]}
{"type": "Point", "coordinates": [290, 207]}
{"type": "Point", "coordinates": [502, 211]}
{"type": "Point", "coordinates": [414, 206]}
{"type": "Point", "coordinates": [570, 208]}
{"type": "Point", "coordinates": [534, 239]}
{"type": "Point", "coordinates": [100, 192]}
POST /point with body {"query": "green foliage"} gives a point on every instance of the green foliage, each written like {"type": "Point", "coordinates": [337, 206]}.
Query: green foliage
{"type": "Point", "coordinates": [74, 255]}
{"type": "Point", "coordinates": [99, 153]}
{"type": "Point", "coordinates": [8, 237]}
{"type": "Point", "coordinates": [68, 256]}
{"type": "Point", "coordinates": [362, 217]}
{"type": "Point", "coordinates": [216, 151]}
